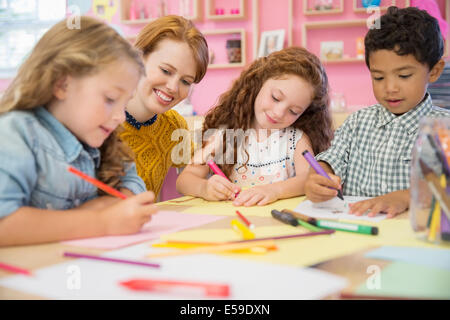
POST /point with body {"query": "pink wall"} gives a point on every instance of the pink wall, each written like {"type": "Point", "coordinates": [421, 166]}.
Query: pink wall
{"type": "Point", "coordinates": [352, 79]}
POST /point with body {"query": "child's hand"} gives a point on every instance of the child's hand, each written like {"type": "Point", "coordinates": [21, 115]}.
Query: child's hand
{"type": "Point", "coordinates": [319, 188]}
{"type": "Point", "coordinates": [259, 195]}
{"type": "Point", "coordinates": [129, 215]}
{"type": "Point", "coordinates": [219, 188]}
{"type": "Point", "coordinates": [392, 203]}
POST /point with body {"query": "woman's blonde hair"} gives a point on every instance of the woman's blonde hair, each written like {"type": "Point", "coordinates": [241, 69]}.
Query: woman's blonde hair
{"type": "Point", "coordinates": [178, 29]}
{"type": "Point", "coordinates": [74, 52]}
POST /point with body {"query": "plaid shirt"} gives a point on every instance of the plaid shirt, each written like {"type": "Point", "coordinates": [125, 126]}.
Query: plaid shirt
{"type": "Point", "coordinates": [371, 152]}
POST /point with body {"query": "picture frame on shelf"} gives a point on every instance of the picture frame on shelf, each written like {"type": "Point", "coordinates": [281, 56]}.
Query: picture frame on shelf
{"type": "Point", "coordinates": [331, 50]}
{"type": "Point", "coordinates": [228, 48]}
{"type": "Point", "coordinates": [320, 7]}
{"type": "Point", "coordinates": [271, 41]}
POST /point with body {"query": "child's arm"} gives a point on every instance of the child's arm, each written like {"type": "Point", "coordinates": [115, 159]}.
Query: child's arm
{"type": "Point", "coordinates": [391, 203]}
{"type": "Point", "coordinates": [102, 201]}
{"type": "Point", "coordinates": [193, 182]}
{"type": "Point", "coordinates": [29, 225]}
{"type": "Point", "coordinates": [292, 187]}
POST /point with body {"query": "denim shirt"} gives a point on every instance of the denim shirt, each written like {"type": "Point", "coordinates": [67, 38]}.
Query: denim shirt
{"type": "Point", "coordinates": [35, 151]}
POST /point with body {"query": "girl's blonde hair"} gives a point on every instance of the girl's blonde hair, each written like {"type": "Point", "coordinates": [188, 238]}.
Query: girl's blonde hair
{"type": "Point", "coordinates": [74, 52]}
{"type": "Point", "coordinates": [235, 109]}
{"type": "Point", "coordinates": [178, 29]}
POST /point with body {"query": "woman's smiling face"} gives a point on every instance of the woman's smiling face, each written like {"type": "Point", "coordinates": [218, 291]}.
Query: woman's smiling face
{"type": "Point", "coordinates": [170, 71]}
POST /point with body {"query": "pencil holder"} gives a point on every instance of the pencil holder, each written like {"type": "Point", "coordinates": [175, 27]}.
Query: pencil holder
{"type": "Point", "coordinates": [430, 181]}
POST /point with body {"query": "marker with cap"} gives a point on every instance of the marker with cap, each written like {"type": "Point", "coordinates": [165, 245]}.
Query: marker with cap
{"type": "Point", "coordinates": [288, 218]}
{"type": "Point", "coordinates": [318, 168]}
{"type": "Point", "coordinates": [328, 224]}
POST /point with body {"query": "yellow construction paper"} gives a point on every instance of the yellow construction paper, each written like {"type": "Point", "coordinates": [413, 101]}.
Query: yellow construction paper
{"type": "Point", "coordinates": [226, 208]}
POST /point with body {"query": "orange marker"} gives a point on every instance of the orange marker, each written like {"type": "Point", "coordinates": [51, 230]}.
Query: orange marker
{"type": "Point", "coordinates": [97, 183]}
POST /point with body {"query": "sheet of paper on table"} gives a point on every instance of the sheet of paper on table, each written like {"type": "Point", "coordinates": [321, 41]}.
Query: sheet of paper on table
{"type": "Point", "coordinates": [247, 279]}
{"type": "Point", "coordinates": [335, 209]}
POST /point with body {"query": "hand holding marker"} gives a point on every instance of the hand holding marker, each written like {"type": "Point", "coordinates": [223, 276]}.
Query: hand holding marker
{"type": "Point", "coordinates": [219, 172]}
{"type": "Point", "coordinates": [318, 168]}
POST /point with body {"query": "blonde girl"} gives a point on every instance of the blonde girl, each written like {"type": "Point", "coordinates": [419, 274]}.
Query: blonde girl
{"type": "Point", "coordinates": [62, 109]}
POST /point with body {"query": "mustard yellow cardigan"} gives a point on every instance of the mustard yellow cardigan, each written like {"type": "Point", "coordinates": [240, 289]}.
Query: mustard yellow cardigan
{"type": "Point", "coordinates": [152, 147]}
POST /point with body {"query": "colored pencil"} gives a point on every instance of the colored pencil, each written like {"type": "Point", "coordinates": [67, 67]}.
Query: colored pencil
{"type": "Point", "coordinates": [215, 249]}
{"type": "Point", "coordinates": [248, 223]}
{"type": "Point", "coordinates": [291, 236]}
{"type": "Point", "coordinates": [97, 183]}
{"type": "Point", "coordinates": [301, 235]}
{"type": "Point", "coordinates": [93, 257]}
{"type": "Point", "coordinates": [10, 268]}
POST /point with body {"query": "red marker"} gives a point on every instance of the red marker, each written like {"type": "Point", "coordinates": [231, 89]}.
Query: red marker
{"type": "Point", "coordinates": [248, 223]}
{"type": "Point", "coordinates": [207, 289]}
{"type": "Point", "coordinates": [14, 269]}
{"type": "Point", "coordinates": [219, 172]}
{"type": "Point", "coordinates": [97, 183]}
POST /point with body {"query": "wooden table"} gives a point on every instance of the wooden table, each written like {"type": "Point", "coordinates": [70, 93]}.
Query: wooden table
{"type": "Point", "coordinates": [352, 267]}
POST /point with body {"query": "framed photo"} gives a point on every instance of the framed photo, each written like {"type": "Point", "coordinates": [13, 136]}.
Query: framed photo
{"type": "Point", "coordinates": [271, 41]}
{"type": "Point", "coordinates": [331, 50]}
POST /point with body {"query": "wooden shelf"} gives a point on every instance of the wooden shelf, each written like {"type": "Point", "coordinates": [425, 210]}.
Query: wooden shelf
{"type": "Point", "coordinates": [125, 12]}
{"type": "Point", "coordinates": [241, 33]}
{"type": "Point", "coordinates": [309, 12]}
{"type": "Point", "coordinates": [210, 14]}
{"type": "Point", "coordinates": [332, 24]}
{"type": "Point", "coordinates": [343, 60]}
{"type": "Point", "coordinates": [329, 24]}
{"type": "Point", "coordinates": [226, 65]}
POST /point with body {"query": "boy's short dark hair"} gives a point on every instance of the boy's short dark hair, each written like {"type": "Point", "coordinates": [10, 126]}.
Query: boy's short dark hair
{"type": "Point", "coordinates": [407, 31]}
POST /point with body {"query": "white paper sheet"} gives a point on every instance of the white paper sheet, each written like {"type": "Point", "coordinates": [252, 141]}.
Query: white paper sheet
{"type": "Point", "coordinates": [335, 209]}
{"type": "Point", "coordinates": [87, 279]}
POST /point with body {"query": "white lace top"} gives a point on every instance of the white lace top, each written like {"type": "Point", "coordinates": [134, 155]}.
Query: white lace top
{"type": "Point", "coordinates": [270, 160]}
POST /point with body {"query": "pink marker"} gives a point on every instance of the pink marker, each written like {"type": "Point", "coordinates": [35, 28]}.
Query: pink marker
{"type": "Point", "coordinates": [219, 172]}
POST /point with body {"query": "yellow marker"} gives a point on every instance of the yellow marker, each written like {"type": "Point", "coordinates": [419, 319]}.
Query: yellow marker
{"type": "Point", "coordinates": [190, 245]}
{"type": "Point", "coordinates": [242, 229]}
{"type": "Point", "coordinates": [436, 215]}
{"type": "Point", "coordinates": [269, 244]}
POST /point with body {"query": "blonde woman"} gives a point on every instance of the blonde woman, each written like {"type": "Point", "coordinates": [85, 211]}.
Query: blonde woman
{"type": "Point", "coordinates": [62, 109]}
{"type": "Point", "coordinates": [175, 57]}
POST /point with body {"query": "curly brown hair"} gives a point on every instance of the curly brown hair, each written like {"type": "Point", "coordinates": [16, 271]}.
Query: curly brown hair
{"type": "Point", "coordinates": [76, 52]}
{"type": "Point", "coordinates": [235, 109]}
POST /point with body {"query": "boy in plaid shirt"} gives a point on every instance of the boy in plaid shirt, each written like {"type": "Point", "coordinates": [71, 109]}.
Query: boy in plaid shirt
{"type": "Point", "coordinates": [371, 152]}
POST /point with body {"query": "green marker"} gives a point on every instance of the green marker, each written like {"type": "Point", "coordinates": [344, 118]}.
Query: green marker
{"type": "Point", "coordinates": [342, 226]}
{"type": "Point", "coordinates": [308, 226]}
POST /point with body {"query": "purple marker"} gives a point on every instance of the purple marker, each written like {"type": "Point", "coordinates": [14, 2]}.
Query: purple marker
{"type": "Point", "coordinates": [318, 168]}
